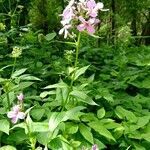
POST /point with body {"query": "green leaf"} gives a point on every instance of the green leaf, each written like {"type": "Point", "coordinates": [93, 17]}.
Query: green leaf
{"type": "Point", "coordinates": [40, 127]}
{"type": "Point", "coordinates": [59, 85]}
{"type": "Point", "coordinates": [142, 121]}
{"type": "Point", "coordinates": [21, 125]}
{"type": "Point", "coordinates": [100, 144]}
{"type": "Point", "coordinates": [45, 93]}
{"type": "Point", "coordinates": [72, 113]}
{"type": "Point", "coordinates": [24, 85]}
{"type": "Point", "coordinates": [2, 80]}
{"type": "Point", "coordinates": [55, 120]}
{"type": "Point", "coordinates": [118, 132]}
{"type": "Point", "coordinates": [43, 137]}
{"type": "Point", "coordinates": [101, 113]}
{"type": "Point", "coordinates": [80, 72]}
{"type": "Point", "coordinates": [50, 36]}
{"type": "Point", "coordinates": [4, 126]}
{"type": "Point", "coordinates": [37, 113]}
{"type": "Point", "coordinates": [86, 133]}
{"type": "Point", "coordinates": [18, 136]}
{"type": "Point", "coordinates": [146, 83]}
{"type": "Point", "coordinates": [29, 78]}
{"type": "Point", "coordinates": [56, 144]}
{"type": "Point", "coordinates": [71, 128]}
{"type": "Point", "coordinates": [123, 113]}
{"type": "Point", "coordinates": [8, 148]}
{"type": "Point", "coordinates": [18, 72]}
{"type": "Point", "coordinates": [98, 127]}
{"type": "Point", "coordinates": [82, 96]}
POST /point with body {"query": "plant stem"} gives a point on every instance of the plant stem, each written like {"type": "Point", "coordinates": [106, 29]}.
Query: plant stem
{"type": "Point", "coordinates": [76, 59]}
{"type": "Point", "coordinates": [75, 65]}
{"type": "Point", "coordinates": [7, 91]}
{"type": "Point", "coordinates": [8, 100]}
{"type": "Point", "coordinates": [14, 66]}
{"type": "Point", "coordinates": [77, 50]}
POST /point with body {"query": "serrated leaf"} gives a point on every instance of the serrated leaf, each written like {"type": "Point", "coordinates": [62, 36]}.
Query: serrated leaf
{"type": "Point", "coordinates": [101, 130]}
{"type": "Point", "coordinates": [101, 113]}
{"type": "Point", "coordinates": [18, 72]}
{"type": "Point", "coordinates": [4, 126]}
{"type": "Point", "coordinates": [80, 72]}
{"type": "Point", "coordinates": [86, 133]}
{"type": "Point", "coordinates": [81, 96]}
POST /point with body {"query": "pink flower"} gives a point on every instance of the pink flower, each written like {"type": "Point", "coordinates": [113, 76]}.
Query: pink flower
{"type": "Point", "coordinates": [94, 147]}
{"type": "Point", "coordinates": [15, 114]}
{"type": "Point", "coordinates": [20, 97]}
{"type": "Point", "coordinates": [65, 30]}
{"type": "Point", "coordinates": [87, 25]}
{"type": "Point", "coordinates": [68, 13]}
{"type": "Point", "coordinates": [93, 8]}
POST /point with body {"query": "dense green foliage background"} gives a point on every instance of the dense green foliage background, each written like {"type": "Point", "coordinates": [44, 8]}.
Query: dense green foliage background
{"type": "Point", "coordinates": [117, 78]}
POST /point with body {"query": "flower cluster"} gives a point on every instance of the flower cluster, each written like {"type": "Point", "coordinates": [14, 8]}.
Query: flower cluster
{"type": "Point", "coordinates": [82, 15]}
{"type": "Point", "coordinates": [15, 114]}
{"type": "Point", "coordinates": [17, 51]}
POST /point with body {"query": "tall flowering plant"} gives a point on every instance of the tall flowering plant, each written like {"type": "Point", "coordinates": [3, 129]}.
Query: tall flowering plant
{"type": "Point", "coordinates": [82, 15]}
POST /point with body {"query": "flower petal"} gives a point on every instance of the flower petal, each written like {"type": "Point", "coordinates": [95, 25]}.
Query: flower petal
{"type": "Point", "coordinates": [90, 29]}
{"type": "Point", "coordinates": [11, 114]}
{"type": "Point", "coordinates": [91, 4]}
{"type": "Point", "coordinates": [66, 33]}
{"type": "Point", "coordinates": [82, 19]}
{"type": "Point", "coordinates": [61, 31]}
{"type": "Point", "coordinates": [81, 27]}
{"type": "Point", "coordinates": [20, 97]}
{"type": "Point", "coordinates": [99, 5]}
{"type": "Point", "coordinates": [21, 115]}
{"type": "Point", "coordinates": [14, 119]}
{"type": "Point", "coordinates": [16, 108]}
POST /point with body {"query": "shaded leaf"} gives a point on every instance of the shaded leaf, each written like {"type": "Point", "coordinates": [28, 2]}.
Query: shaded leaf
{"type": "Point", "coordinates": [8, 148]}
{"type": "Point", "coordinates": [4, 126]}
{"type": "Point", "coordinates": [101, 130]}
{"type": "Point", "coordinates": [18, 72]}
{"type": "Point", "coordinates": [80, 72]}
{"type": "Point", "coordinates": [86, 133]}
{"type": "Point", "coordinates": [101, 113]}
{"type": "Point", "coordinates": [82, 96]}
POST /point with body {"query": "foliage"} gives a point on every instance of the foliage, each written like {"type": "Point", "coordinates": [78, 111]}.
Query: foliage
{"type": "Point", "coordinates": [98, 96]}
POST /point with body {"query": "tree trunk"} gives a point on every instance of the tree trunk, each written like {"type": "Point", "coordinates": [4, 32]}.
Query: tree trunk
{"type": "Point", "coordinates": [146, 32]}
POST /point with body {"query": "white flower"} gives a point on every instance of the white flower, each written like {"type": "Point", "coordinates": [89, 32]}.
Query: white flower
{"type": "Point", "coordinates": [65, 30]}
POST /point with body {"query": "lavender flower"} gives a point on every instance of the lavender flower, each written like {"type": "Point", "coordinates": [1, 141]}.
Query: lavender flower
{"type": "Point", "coordinates": [15, 114]}
{"type": "Point", "coordinates": [20, 97]}
{"type": "Point", "coordinates": [81, 15]}
{"type": "Point", "coordinates": [94, 147]}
